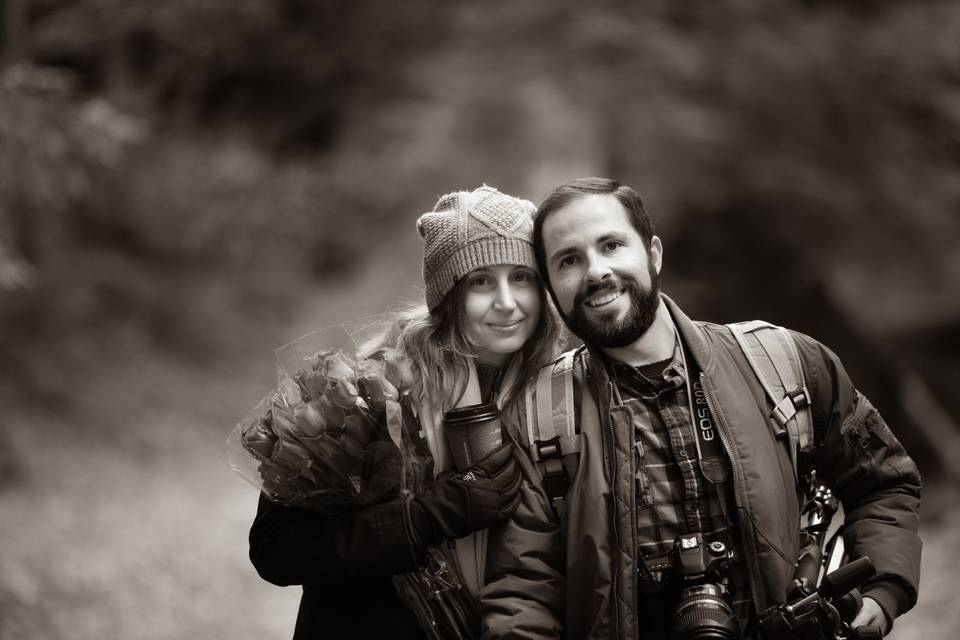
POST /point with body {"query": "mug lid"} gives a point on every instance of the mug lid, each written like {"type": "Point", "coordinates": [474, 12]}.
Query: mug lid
{"type": "Point", "coordinates": [472, 413]}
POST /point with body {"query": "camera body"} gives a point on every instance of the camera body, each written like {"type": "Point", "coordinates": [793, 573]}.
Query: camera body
{"type": "Point", "coordinates": [823, 613]}
{"type": "Point", "coordinates": [694, 572]}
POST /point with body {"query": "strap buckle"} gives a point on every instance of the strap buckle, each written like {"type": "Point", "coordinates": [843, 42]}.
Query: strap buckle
{"type": "Point", "coordinates": [792, 402]}
{"type": "Point", "coordinates": [555, 483]}
{"type": "Point", "coordinates": [546, 449]}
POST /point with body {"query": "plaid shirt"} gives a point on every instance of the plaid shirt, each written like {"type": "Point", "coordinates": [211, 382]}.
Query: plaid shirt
{"type": "Point", "coordinates": [673, 496]}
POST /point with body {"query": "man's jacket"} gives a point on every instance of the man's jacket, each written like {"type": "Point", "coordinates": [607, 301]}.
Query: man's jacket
{"type": "Point", "coordinates": [857, 456]}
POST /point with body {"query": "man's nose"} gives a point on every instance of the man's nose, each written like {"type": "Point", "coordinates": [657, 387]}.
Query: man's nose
{"type": "Point", "coordinates": [598, 269]}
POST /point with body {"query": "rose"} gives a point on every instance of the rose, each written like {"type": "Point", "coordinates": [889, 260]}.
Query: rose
{"type": "Point", "coordinates": [332, 414]}
{"type": "Point", "coordinates": [291, 456]}
{"type": "Point", "coordinates": [281, 420]}
{"type": "Point", "coordinates": [312, 384]}
{"type": "Point", "coordinates": [377, 389]}
{"type": "Point", "coordinates": [358, 431]}
{"type": "Point", "coordinates": [341, 380]}
{"type": "Point", "coordinates": [259, 439]}
{"type": "Point", "coordinates": [309, 419]}
{"type": "Point", "coordinates": [342, 393]}
{"type": "Point", "coordinates": [338, 367]}
{"type": "Point", "coordinates": [396, 369]}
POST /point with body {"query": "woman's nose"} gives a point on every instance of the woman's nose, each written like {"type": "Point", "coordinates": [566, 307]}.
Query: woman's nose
{"type": "Point", "coordinates": [504, 299]}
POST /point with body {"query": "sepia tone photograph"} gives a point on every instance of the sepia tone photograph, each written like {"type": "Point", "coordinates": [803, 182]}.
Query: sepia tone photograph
{"type": "Point", "coordinates": [438, 320]}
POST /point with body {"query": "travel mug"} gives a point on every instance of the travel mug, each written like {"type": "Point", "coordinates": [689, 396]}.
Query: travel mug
{"type": "Point", "coordinates": [472, 433]}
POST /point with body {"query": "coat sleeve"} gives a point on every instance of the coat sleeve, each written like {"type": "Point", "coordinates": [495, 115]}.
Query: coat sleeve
{"type": "Point", "coordinates": [525, 586]}
{"type": "Point", "coordinates": [871, 473]}
{"type": "Point", "coordinates": [292, 545]}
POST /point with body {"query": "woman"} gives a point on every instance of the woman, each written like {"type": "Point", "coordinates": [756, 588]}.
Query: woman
{"type": "Point", "coordinates": [486, 328]}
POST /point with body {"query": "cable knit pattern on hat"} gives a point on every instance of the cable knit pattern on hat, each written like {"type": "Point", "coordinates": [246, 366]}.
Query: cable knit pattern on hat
{"type": "Point", "coordinates": [468, 230]}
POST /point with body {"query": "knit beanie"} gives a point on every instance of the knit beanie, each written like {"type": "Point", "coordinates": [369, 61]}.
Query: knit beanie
{"type": "Point", "coordinates": [468, 230]}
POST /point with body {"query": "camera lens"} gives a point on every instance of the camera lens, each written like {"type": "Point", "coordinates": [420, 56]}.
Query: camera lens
{"type": "Point", "coordinates": [703, 614]}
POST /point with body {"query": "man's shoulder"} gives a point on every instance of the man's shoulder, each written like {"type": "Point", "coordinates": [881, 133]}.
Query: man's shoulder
{"type": "Point", "coordinates": [724, 330]}
{"type": "Point", "coordinates": [814, 355]}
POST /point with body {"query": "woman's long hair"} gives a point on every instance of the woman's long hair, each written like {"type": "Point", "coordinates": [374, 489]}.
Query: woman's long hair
{"type": "Point", "coordinates": [438, 349]}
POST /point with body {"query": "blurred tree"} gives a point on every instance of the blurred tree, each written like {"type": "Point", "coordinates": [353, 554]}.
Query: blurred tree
{"type": "Point", "coordinates": [287, 70]}
{"type": "Point", "coordinates": [13, 28]}
{"type": "Point", "coordinates": [181, 153]}
{"type": "Point", "coordinates": [808, 149]}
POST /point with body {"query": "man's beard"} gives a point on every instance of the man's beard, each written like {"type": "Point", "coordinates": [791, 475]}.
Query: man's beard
{"type": "Point", "coordinates": [613, 335]}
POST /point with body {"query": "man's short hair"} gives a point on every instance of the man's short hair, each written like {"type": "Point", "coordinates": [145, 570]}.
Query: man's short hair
{"type": "Point", "coordinates": [570, 191]}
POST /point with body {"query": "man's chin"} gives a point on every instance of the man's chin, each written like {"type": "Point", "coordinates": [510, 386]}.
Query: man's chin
{"type": "Point", "coordinates": [598, 332]}
{"type": "Point", "coordinates": [606, 330]}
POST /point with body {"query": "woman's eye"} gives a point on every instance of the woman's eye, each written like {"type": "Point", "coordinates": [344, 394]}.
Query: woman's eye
{"type": "Point", "coordinates": [480, 281]}
{"type": "Point", "coordinates": [523, 276]}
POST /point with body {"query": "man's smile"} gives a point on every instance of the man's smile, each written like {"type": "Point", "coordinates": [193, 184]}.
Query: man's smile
{"type": "Point", "coordinates": [604, 299]}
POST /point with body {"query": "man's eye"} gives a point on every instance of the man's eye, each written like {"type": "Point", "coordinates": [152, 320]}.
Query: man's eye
{"type": "Point", "coordinates": [567, 261]}
{"type": "Point", "coordinates": [612, 245]}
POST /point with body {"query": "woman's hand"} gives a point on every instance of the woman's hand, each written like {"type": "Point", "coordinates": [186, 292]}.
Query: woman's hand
{"type": "Point", "coordinates": [485, 494]}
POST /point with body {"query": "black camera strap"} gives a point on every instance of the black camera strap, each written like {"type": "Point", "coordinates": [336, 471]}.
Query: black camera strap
{"type": "Point", "coordinates": [714, 464]}
{"type": "Point", "coordinates": [712, 457]}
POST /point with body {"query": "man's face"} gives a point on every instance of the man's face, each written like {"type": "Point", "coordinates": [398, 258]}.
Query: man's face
{"type": "Point", "coordinates": [605, 281]}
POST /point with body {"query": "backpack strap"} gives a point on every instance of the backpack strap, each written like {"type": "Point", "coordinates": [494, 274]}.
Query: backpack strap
{"type": "Point", "coordinates": [774, 358]}
{"type": "Point", "coordinates": [553, 426]}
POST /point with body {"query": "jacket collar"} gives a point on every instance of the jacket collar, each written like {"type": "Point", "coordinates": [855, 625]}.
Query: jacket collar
{"type": "Point", "coordinates": [694, 339]}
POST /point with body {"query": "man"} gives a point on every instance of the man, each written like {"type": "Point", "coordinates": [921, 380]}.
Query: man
{"type": "Point", "coordinates": [642, 483]}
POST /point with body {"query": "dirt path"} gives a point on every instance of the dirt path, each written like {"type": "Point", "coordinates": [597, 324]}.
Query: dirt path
{"type": "Point", "coordinates": [110, 537]}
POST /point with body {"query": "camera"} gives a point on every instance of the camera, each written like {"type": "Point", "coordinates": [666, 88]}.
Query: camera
{"type": "Point", "coordinates": [821, 608]}
{"type": "Point", "coordinates": [693, 574]}
{"type": "Point", "coordinates": [823, 613]}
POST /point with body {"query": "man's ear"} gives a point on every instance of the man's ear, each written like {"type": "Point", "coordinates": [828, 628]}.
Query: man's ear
{"type": "Point", "coordinates": [656, 253]}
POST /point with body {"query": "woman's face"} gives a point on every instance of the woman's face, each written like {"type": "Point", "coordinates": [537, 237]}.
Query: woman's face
{"type": "Point", "coordinates": [501, 309]}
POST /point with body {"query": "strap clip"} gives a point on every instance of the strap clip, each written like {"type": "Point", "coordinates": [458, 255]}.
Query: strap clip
{"type": "Point", "coordinates": [792, 402]}
{"type": "Point", "coordinates": [555, 481]}
{"type": "Point", "coordinates": [546, 449]}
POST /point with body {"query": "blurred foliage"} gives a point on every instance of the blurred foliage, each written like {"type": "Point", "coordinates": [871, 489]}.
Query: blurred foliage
{"type": "Point", "coordinates": [166, 169]}
{"type": "Point", "coordinates": [177, 172]}
{"type": "Point", "coordinates": [177, 177]}
{"type": "Point", "coordinates": [286, 70]}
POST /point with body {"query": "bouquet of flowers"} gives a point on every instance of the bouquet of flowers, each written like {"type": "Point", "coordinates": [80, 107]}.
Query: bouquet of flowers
{"type": "Point", "coordinates": [337, 432]}
{"type": "Point", "coordinates": [340, 432]}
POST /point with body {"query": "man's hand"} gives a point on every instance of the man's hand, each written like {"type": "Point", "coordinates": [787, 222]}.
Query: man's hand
{"type": "Point", "coordinates": [468, 501]}
{"type": "Point", "coordinates": [871, 615]}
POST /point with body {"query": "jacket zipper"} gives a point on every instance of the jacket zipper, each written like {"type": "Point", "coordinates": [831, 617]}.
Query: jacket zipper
{"type": "Point", "coordinates": [751, 555]}
{"type": "Point", "coordinates": [613, 493]}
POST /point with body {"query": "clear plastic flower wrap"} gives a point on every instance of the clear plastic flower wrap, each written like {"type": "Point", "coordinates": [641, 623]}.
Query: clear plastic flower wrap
{"type": "Point", "coordinates": [338, 432]}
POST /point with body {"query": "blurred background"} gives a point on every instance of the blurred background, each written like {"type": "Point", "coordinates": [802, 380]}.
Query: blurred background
{"type": "Point", "coordinates": [185, 186]}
